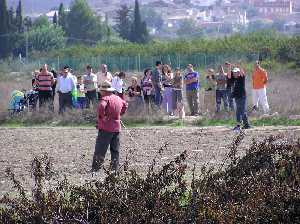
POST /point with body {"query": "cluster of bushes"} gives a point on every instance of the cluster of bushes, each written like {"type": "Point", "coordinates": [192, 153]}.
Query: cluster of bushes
{"type": "Point", "coordinates": [268, 44]}
{"type": "Point", "coordinates": [261, 187]}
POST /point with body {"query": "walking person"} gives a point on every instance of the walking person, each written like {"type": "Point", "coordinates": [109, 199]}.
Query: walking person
{"type": "Point", "coordinates": [177, 89]}
{"type": "Point", "coordinates": [45, 81]}
{"type": "Point", "coordinates": [259, 92]}
{"type": "Point", "coordinates": [90, 85]}
{"type": "Point", "coordinates": [147, 89]}
{"type": "Point", "coordinates": [167, 80]}
{"type": "Point", "coordinates": [157, 83]}
{"type": "Point", "coordinates": [103, 75]}
{"type": "Point", "coordinates": [237, 79]}
{"type": "Point", "coordinates": [191, 80]}
{"type": "Point", "coordinates": [118, 84]}
{"type": "Point", "coordinates": [110, 109]}
{"type": "Point", "coordinates": [210, 93]}
{"type": "Point", "coordinates": [65, 86]}
{"type": "Point", "coordinates": [221, 93]}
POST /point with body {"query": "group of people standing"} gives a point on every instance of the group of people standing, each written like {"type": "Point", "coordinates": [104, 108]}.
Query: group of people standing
{"type": "Point", "coordinates": [159, 89]}
{"type": "Point", "coordinates": [227, 86]}
{"type": "Point", "coordinates": [81, 91]}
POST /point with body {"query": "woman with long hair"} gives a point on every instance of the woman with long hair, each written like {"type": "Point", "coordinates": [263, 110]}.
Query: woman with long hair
{"type": "Point", "coordinates": [167, 81]}
{"type": "Point", "coordinates": [147, 88]}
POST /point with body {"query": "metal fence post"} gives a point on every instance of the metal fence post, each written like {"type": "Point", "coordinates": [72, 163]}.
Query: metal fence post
{"type": "Point", "coordinates": [139, 68]}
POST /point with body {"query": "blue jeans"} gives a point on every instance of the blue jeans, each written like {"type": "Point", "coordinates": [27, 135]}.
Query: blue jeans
{"type": "Point", "coordinates": [158, 97]}
{"type": "Point", "coordinates": [230, 99]}
{"type": "Point", "coordinates": [221, 95]}
{"type": "Point", "coordinates": [241, 113]}
{"type": "Point", "coordinates": [81, 102]}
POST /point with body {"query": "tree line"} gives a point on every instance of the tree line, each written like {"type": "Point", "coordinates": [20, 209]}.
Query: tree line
{"type": "Point", "coordinates": [79, 24]}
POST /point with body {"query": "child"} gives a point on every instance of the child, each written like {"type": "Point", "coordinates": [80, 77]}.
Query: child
{"type": "Point", "coordinates": [81, 100]}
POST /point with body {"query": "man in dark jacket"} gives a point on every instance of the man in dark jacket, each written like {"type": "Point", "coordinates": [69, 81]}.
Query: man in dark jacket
{"type": "Point", "coordinates": [236, 77]}
{"type": "Point", "coordinates": [156, 79]}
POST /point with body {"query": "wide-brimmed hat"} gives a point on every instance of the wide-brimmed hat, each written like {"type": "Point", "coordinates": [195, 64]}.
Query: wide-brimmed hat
{"type": "Point", "coordinates": [106, 86]}
{"type": "Point", "coordinates": [235, 70]}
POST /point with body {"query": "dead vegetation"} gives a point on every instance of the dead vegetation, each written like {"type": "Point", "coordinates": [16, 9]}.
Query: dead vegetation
{"type": "Point", "coordinates": [260, 187]}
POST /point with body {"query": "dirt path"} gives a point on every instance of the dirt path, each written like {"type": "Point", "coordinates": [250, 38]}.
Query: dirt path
{"type": "Point", "coordinates": [71, 149]}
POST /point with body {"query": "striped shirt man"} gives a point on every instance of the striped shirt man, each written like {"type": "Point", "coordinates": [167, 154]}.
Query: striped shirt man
{"type": "Point", "coordinates": [45, 81]}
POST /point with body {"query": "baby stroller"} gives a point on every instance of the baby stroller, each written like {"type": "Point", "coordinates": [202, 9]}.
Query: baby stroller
{"type": "Point", "coordinates": [17, 102]}
{"type": "Point", "coordinates": [30, 99]}
{"type": "Point", "coordinates": [21, 101]}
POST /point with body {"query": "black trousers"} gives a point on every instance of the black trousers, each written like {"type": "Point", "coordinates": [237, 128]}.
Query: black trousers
{"type": "Point", "coordinates": [91, 97]}
{"type": "Point", "coordinates": [65, 101]}
{"type": "Point", "coordinates": [105, 139]}
{"type": "Point", "coordinates": [46, 99]}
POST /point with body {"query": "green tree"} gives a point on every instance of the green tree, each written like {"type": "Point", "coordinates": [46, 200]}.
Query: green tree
{"type": "Point", "coordinates": [54, 20]}
{"type": "Point", "coordinates": [4, 30]}
{"type": "Point", "coordinates": [123, 22]}
{"type": "Point", "coordinates": [152, 18]}
{"type": "Point", "coordinates": [27, 22]}
{"type": "Point", "coordinates": [11, 20]}
{"type": "Point", "coordinates": [19, 17]}
{"type": "Point", "coordinates": [189, 28]}
{"type": "Point", "coordinates": [82, 24]}
{"type": "Point", "coordinates": [43, 38]}
{"type": "Point", "coordinates": [62, 16]}
{"type": "Point", "coordinates": [41, 21]}
{"type": "Point", "coordinates": [139, 32]}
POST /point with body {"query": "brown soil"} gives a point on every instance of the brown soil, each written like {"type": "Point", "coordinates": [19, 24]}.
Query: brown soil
{"type": "Point", "coordinates": [71, 149]}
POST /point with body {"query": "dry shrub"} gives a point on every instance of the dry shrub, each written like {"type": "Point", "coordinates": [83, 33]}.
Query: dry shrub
{"type": "Point", "coordinates": [261, 187]}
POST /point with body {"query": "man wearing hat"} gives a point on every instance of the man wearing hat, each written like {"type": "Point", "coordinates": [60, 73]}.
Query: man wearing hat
{"type": "Point", "coordinates": [110, 109]}
{"type": "Point", "coordinates": [237, 78]}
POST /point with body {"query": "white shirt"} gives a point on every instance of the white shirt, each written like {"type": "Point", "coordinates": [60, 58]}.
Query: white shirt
{"type": "Point", "coordinates": [117, 84]}
{"type": "Point", "coordinates": [74, 78]}
{"type": "Point", "coordinates": [90, 81]}
{"type": "Point", "coordinates": [65, 84]}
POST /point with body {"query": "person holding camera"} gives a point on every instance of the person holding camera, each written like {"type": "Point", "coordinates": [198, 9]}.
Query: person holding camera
{"type": "Point", "coordinates": [237, 78]}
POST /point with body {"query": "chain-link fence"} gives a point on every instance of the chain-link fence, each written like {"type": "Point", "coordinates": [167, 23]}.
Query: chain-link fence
{"type": "Point", "coordinates": [139, 63]}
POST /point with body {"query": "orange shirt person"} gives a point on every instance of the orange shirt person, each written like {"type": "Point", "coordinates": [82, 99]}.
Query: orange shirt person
{"type": "Point", "coordinates": [259, 93]}
{"type": "Point", "coordinates": [259, 77]}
